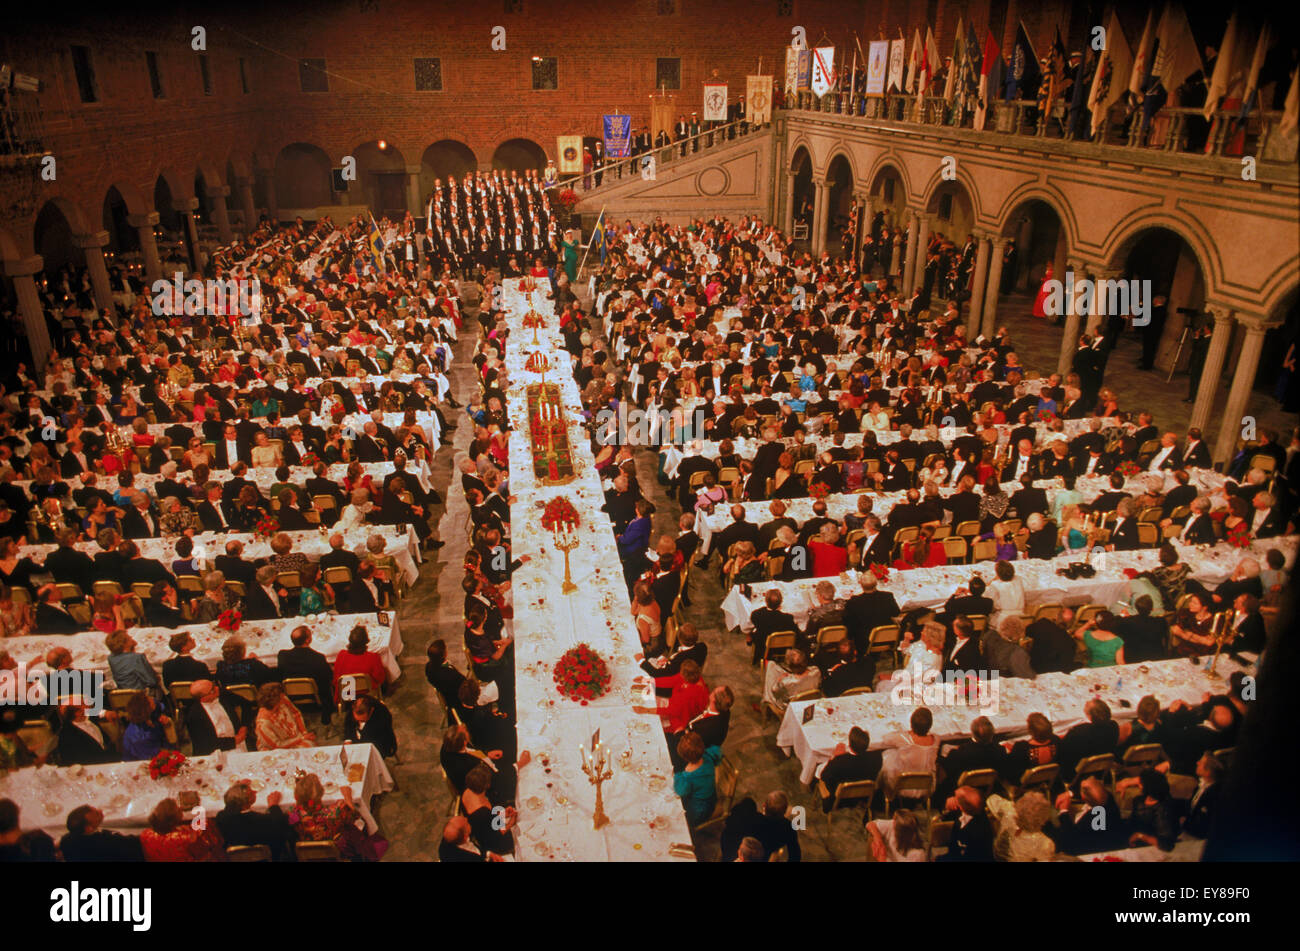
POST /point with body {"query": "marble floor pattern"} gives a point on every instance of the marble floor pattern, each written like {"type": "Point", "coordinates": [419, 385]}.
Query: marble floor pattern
{"type": "Point", "coordinates": [413, 814]}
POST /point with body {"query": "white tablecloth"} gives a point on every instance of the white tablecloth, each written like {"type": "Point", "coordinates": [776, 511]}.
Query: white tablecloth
{"type": "Point", "coordinates": [126, 794]}
{"type": "Point", "coordinates": [556, 807]}
{"type": "Point", "coordinates": [1060, 697]}
{"type": "Point", "coordinates": [264, 639]}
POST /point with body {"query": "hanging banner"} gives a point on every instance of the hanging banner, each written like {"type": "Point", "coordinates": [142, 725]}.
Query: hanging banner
{"type": "Point", "coordinates": [877, 67]}
{"type": "Point", "coordinates": [823, 70]}
{"type": "Point", "coordinates": [569, 148]}
{"type": "Point", "coordinates": [758, 98]}
{"type": "Point", "coordinates": [803, 78]}
{"type": "Point", "coordinates": [791, 70]}
{"type": "Point", "coordinates": [897, 60]}
{"type": "Point", "coordinates": [715, 102]}
{"type": "Point", "coordinates": [618, 136]}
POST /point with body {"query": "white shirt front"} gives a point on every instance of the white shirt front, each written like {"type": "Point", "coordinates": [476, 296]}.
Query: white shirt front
{"type": "Point", "coordinates": [1160, 457]}
{"type": "Point", "coordinates": [220, 719]}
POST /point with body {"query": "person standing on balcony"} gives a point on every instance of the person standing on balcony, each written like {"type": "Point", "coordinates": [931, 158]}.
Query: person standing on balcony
{"type": "Point", "coordinates": [680, 133]}
{"type": "Point", "coordinates": [695, 130]}
{"type": "Point", "coordinates": [598, 161]}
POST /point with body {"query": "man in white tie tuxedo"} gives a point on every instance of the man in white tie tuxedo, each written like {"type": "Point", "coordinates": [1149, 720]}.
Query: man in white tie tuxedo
{"type": "Point", "coordinates": [1198, 529]}
{"type": "Point", "coordinates": [1167, 457]}
{"type": "Point", "coordinates": [1265, 520]}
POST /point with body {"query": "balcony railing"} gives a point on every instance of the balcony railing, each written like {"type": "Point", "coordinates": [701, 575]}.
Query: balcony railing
{"type": "Point", "coordinates": [615, 170]}
{"type": "Point", "coordinates": [22, 129]}
{"type": "Point", "coordinates": [1181, 130]}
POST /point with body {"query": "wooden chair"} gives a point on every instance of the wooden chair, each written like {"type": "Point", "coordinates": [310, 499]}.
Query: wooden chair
{"type": "Point", "coordinates": [1050, 611]}
{"type": "Point", "coordinates": [1102, 767]}
{"type": "Point", "coordinates": [248, 853]}
{"type": "Point", "coordinates": [986, 549]}
{"type": "Point", "coordinates": [940, 837]}
{"type": "Point", "coordinates": [778, 642]}
{"type": "Point", "coordinates": [288, 579]}
{"type": "Point", "coordinates": [726, 778]}
{"type": "Point", "coordinates": [106, 587]}
{"type": "Point", "coordinates": [320, 851]}
{"type": "Point", "coordinates": [969, 530]}
{"type": "Point", "coordinates": [831, 634]}
{"type": "Point", "coordinates": [854, 792]}
{"type": "Point", "coordinates": [303, 692]}
{"type": "Point", "coordinates": [80, 612]}
{"type": "Point", "coordinates": [985, 780]}
{"type": "Point", "coordinates": [921, 783]}
{"type": "Point", "coordinates": [245, 692]}
{"type": "Point", "coordinates": [1036, 777]}
{"type": "Point", "coordinates": [955, 548]}
{"type": "Point", "coordinates": [1140, 757]}
{"type": "Point", "coordinates": [884, 639]}
{"type": "Point", "coordinates": [70, 592]}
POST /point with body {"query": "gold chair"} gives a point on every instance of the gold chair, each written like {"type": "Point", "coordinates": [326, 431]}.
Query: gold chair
{"type": "Point", "coordinates": [854, 691]}
{"type": "Point", "coordinates": [245, 692]}
{"type": "Point", "coordinates": [288, 579]}
{"type": "Point", "coordinates": [338, 574]}
{"type": "Point", "coordinates": [940, 837]}
{"type": "Point", "coordinates": [1036, 777]}
{"type": "Point", "coordinates": [70, 592]}
{"type": "Point", "coordinates": [919, 784]}
{"type": "Point", "coordinates": [777, 642]}
{"type": "Point", "coordinates": [303, 692]}
{"type": "Point", "coordinates": [1140, 757]}
{"type": "Point", "coordinates": [955, 548]}
{"type": "Point", "coordinates": [982, 779]}
{"type": "Point", "coordinates": [106, 587]}
{"type": "Point", "coordinates": [831, 634]}
{"type": "Point", "coordinates": [1050, 611]}
{"type": "Point", "coordinates": [80, 612]}
{"type": "Point", "coordinates": [142, 589]}
{"type": "Point", "coordinates": [248, 853]}
{"type": "Point", "coordinates": [319, 851]}
{"type": "Point", "coordinates": [360, 685]}
{"type": "Point", "coordinates": [986, 549]}
{"type": "Point", "coordinates": [118, 699]}
{"type": "Point", "coordinates": [856, 791]}
{"type": "Point", "coordinates": [884, 639]}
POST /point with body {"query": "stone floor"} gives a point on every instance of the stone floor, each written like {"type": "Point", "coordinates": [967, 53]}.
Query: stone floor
{"type": "Point", "coordinates": [413, 814]}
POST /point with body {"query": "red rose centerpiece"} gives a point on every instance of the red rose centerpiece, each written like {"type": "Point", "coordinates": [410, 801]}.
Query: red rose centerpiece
{"type": "Point", "coordinates": [1129, 469]}
{"type": "Point", "coordinates": [166, 764]}
{"type": "Point", "coordinates": [582, 675]}
{"type": "Point", "coordinates": [230, 619]}
{"type": "Point", "coordinates": [819, 490]}
{"type": "Point", "coordinates": [266, 527]}
{"type": "Point", "coordinates": [559, 513]}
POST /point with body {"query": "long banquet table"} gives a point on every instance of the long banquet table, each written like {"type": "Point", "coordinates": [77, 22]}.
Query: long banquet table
{"type": "Point", "coordinates": [126, 794]}
{"type": "Point", "coordinates": [556, 801]}
{"type": "Point", "coordinates": [1060, 697]}
{"type": "Point", "coordinates": [264, 639]}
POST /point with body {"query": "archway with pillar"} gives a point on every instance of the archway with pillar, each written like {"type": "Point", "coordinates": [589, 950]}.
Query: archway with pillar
{"type": "Point", "coordinates": [444, 159]}
{"type": "Point", "coordinates": [1166, 259]}
{"type": "Point", "coordinates": [1036, 241]}
{"type": "Point", "coordinates": [52, 233]}
{"type": "Point", "coordinates": [840, 181]}
{"type": "Point", "coordinates": [888, 194]}
{"type": "Point", "coordinates": [301, 177]}
{"type": "Point", "coordinates": [519, 155]}
{"type": "Point", "coordinates": [115, 210]}
{"type": "Point", "coordinates": [381, 179]}
{"type": "Point", "coordinates": [178, 240]}
{"type": "Point", "coordinates": [801, 201]}
{"type": "Point", "coordinates": [1281, 342]}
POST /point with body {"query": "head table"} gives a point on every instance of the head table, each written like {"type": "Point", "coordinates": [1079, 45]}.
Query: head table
{"type": "Point", "coordinates": [126, 794]}
{"type": "Point", "coordinates": [556, 800]}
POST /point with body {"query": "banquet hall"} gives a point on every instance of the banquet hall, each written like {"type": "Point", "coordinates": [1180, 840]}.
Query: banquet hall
{"type": "Point", "coordinates": [649, 432]}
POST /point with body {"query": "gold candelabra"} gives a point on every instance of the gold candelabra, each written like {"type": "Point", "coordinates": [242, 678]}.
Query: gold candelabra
{"type": "Point", "coordinates": [1221, 631]}
{"type": "Point", "coordinates": [566, 541]}
{"type": "Point", "coordinates": [599, 766]}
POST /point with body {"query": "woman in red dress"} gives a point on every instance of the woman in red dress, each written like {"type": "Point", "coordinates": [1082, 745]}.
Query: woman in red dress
{"type": "Point", "coordinates": [170, 838]}
{"type": "Point", "coordinates": [1044, 291]}
{"type": "Point", "coordinates": [922, 553]}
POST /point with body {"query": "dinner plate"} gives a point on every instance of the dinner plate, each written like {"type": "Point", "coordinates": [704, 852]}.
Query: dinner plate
{"type": "Point", "coordinates": [534, 803]}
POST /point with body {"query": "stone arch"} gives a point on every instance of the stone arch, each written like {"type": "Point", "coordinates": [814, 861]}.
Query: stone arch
{"type": "Point", "coordinates": [889, 162]}
{"type": "Point", "coordinates": [795, 146]}
{"type": "Point", "coordinates": [519, 154]}
{"type": "Point", "coordinates": [301, 176]}
{"type": "Point", "coordinates": [56, 221]}
{"type": "Point", "coordinates": [1039, 221]}
{"type": "Point", "coordinates": [1126, 233]}
{"type": "Point", "coordinates": [962, 188]}
{"type": "Point", "coordinates": [841, 180]}
{"type": "Point", "coordinates": [114, 210]}
{"type": "Point", "coordinates": [381, 178]}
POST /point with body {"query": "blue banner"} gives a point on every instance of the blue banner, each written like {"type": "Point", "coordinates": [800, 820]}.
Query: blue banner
{"type": "Point", "coordinates": [803, 74]}
{"type": "Point", "coordinates": [618, 136]}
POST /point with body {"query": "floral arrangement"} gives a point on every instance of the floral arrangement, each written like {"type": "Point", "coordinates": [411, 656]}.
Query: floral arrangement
{"type": "Point", "coordinates": [567, 198]}
{"type": "Point", "coordinates": [818, 490]}
{"type": "Point", "coordinates": [1129, 469]}
{"type": "Point", "coordinates": [165, 764]}
{"type": "Point", "coordinates": [537, 362]}
{"type": "Point", "coordinates": [1046, 416]}
{"type": "Point", "coordinates": [559, 512]}
{"type": "Point", "coordinates": [881, 571]}
{"type": "Point", "coordinates": [582, 675]}
{"type": "Point", "coordinates": [309, 460]}
{"type": "Point", "coordinates": [266, 527]}
{"type": "Point", "coordinates": [552, 455]}
{"type": "Point", "coordinates": [533, 319]}
{"type": "Point", "coordinates": [1238, 536]}
{"type": "Point", "coordinates": [230, 619]}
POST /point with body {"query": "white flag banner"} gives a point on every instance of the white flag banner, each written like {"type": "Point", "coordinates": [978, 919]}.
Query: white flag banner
{"type": "Point", "coordinates": [897, 59]}
{"type": "Point", "coordinates": [823, 70]}
{"type": "Point", "coordinates": [648, 168]}
{"type": "Point", "coordinates": [877, 67]}
{"type": "Point", "coordinates": [758, 93]}
{"type": "Point", "coordinates": [791, 70]}
{"type": "Point", "coordinates": [715, 102]}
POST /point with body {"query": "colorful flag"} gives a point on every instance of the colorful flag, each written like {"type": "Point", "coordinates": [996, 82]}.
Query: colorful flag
{"type": "Point", "coordinates": [569, 148]}
{"type": "Point", "coordinates": [990, 63]}
{"type": "Point", "coordinates": [375, 243]}
{"type": "Point", "coordinates": [715, 102]}
{"type": "Point", "coordinates": [1256, 64]}
{"type": "Point", "coordinates": [1022, 73]}
{"type": "Point", "coordinates": [758, 96]}
{"type": "Point", "coordinates": [598, 235]}
{"type": "Point", "coordinates": [877, 66]}
{"type": "Point", "coordinates": [823, 70]}
{"type": "Point", "coordinates": [791, 70]}
{"type": "Point", "coordinates": [897, 63]}
{"type": "Point", "coordinates": [913, 63]}
{"type": "Point", "coordinates": [1137, 80]}
{"type": "Point", "coordinates": [950, 83]}
{"type": "Point", "coordinates": [1108, 78]}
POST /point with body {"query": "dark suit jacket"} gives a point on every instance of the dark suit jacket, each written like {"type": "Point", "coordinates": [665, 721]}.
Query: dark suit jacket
{"type": "Point", "coordinates": [1200, 531]}
{"type": "Point", "coordinates": [969, 756]}
{"type": "Point", "coordinates": [184, 669]}
{"type": "Point", "coordinates": [70, 566]}
{"type": "Point", "coordinates": [50, 620]}
{"type": "Point", "coordinates": [1125, 536]}
{"type": "Point", "coordinates": [972, 842]}
{"type": "Point", "coordinates": [270, 828]}
{"type": "Point", "coordinates": [203, 735]}
{"type": "Point", "coordinates": [1143, 637]}
{"type": "Point", "coordinates": [362, 601]}
{"type": "Point", "coordinates": [377, 730]}
{"type": "Point", "coordinates": [1178, 495]}
{"type": "Point", "coordinates": [846, 675]}
{"type": "Point", "coordinates": [75, 747]}
{"type": "Point", "coordinates": [134, 525]}
{"type": "Point", "coordinates": [866, 611]}
{"type": "Point", "coordinates": [101, 846]}
{"type": "Point", "coordinates": [1081, 834]}
{"type": "Point", "coordinates": [146, 569]}
{"type": "Point", "coordinates": [735, 532]}
{"type": "Point", "coordinates": [849, 768]}
{"type": "Point", "coordinates": [208, 516]}
{"type": "Point", "coordinates": [1087, 739]}
{"type": "Point", "coordinates": [310, 663]}
{"type": "Point", "coordinates": [878, 551]}
{"type": "Point", "coordinates": [1053, 649]}
{"type": "Point", "coordinates": [236, 569]}
{"type": "Point", "coordinates": [258, 606]}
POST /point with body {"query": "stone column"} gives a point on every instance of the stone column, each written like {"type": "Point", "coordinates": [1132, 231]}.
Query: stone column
{"type": "Point", "coordinates": [789, 204]}
{"type": "Point", "coordinates": [989, 310]}
{"type": "Point", "coordinates": [1243, 379]}
{"type": "Point", "coordinates": [144, 225]}
{"type": "Point", "coordinates": [1073, 321]}
{"type": "Point", "coordinates": [820, 212]}
{"type": "Point", "coordinates": [1097, 318]}
{"type": "Point", "coordinates": [864, 226]}
{"type": "Point", "coordinates": [220, 217]}
{"type": "Point", "coordinates": [30, 307]}
{"type": "Point", "coordinates": [244, 187]}
{"type": "Point", "coordinates": [1212, 373]}
{"type": "Point", "coordinates": [978, 285]}
{"type": "Point", "coordinates": [92, 246]}
{"type": "Point", "coordinates": [909, 258]}
{"type": "Point", "coordinates": [922, 242]}
{"type": "Point", "coordinates": [895, 258]}
{"type": "Point", "coordinates": [413, 190]}
{"type": "Point", "coordinates": [186, 207]}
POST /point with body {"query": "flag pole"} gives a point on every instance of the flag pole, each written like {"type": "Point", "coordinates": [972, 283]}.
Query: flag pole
{"type": "Point", "coordinates": [587, 250]}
